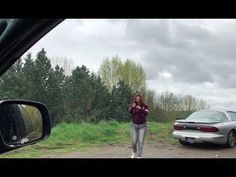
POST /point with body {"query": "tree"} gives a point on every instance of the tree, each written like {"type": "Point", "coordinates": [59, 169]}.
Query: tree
{"type": "Point", "coordinates": [191, 103]}
{"type": "Point", "coordinates": [133, 75]}
{"type": "Point", "coordinates": [44, 84]}
{"type": "Point", "coordinates": [109, 71]}
{"type": "Point", "coordinates": [55, 90]}
{"type": "Point", "coordinates": [151, 101]}
{"type": "Point", "coordinates": [80, 94]}
{"type": "Point", "coordinates": [100, 103]}
{"type": "Point", "coordinates": [11, 83]}
{"type": "Point", "coordinates": [168, 101]}
{"type": "Point", "coordinates": [113, 70]}
{"type": "Point", "coordinates": [171, 106]}
{"type": "Point", "coordinates": [40, 77]}
{"type": "Point", "coordinates": [85, 96]}
{"type": "Point", "coordinates": [64, 62]}
{"type": "Point", "coordinates": [27, 79]}
{"type": "Point", "coordinates": [202, 104]}
{"type": "Point", "coordinates": [121, 97]}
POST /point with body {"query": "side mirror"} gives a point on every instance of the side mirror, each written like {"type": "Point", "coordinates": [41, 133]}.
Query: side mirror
{"type": "Point", "coordinates": [22, 123]}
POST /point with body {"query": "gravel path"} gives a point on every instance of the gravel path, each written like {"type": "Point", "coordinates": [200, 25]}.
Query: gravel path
{"type": "Point", "coordinates": [154, 151]}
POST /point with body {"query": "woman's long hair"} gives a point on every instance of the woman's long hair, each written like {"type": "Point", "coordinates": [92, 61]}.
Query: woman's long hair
{"type": "Point", "coordinates": [141, 103]}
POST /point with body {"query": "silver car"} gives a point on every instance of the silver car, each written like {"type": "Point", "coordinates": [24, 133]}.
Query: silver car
{"type": "Point", "coordinates": [207, 126]}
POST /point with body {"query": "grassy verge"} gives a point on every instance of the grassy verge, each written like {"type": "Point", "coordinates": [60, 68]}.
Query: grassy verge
{"type": "Point", "coordinates": [71, 137]}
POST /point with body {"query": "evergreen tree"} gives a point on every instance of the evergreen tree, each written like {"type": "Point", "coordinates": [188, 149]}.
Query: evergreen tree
{"type": "Point", "coordinates": [55, 94]}
{"type": "Point", "coordinates": [100, 104]}
{"type": "Point", "coordinates": [121, 97]}
{"type": "Point", "coordinates": [80, 94]}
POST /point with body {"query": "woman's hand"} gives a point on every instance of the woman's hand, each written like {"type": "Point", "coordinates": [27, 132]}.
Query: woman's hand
{"type": "Point", "coordinates": [133, 105]}
{"type": "Point", "coordinates": [138, 107]}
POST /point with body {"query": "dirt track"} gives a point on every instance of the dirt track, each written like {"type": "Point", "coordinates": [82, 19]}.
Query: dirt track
{"type": "Point", "coordinates": [155, 151]}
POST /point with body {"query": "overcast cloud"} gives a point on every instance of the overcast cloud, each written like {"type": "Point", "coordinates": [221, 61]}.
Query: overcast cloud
{"type": "Point", "coordinates": [194, 57]}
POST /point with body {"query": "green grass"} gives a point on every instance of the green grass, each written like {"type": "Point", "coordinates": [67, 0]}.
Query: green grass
{"type": "Point", "coordinates": [81, 136]}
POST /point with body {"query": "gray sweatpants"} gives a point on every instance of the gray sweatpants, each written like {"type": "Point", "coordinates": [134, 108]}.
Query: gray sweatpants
{"type": "Point", "coordinates": [138, 132]}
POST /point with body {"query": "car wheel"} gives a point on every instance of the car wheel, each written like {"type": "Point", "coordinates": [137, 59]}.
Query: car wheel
{"type": "Point", "coordinates": [231, 139]}
{"type": "Point", "coordinates": [183, 142]}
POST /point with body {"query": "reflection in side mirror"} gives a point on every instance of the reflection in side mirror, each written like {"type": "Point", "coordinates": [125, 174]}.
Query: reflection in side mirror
{"type": "Point", "coordinates": [23, 122]}
{"type": "Point", "coordinates": [20, 123]}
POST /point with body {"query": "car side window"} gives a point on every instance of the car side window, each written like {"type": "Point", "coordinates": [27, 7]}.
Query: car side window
{"type": "Point", "coordinates": [232, 115]}
{"type": "Point", "coordinates": [221, 117]}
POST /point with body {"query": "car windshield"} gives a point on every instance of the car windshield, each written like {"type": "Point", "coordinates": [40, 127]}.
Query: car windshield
{"type": "Point", "coordinates": [207, 116]}
{"type": "Point", "coordinates": [89, 71]}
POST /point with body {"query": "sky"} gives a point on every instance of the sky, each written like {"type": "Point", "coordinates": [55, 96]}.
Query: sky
{"type": "Point", "coordinates": [184, 56]}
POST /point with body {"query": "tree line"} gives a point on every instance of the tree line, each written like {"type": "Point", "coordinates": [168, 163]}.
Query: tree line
{"type": "Point", "coordinates": [80, 95]}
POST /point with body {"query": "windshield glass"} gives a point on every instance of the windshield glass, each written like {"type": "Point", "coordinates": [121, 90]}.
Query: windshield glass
{"type": "Point", "coordinates": [207, 116]}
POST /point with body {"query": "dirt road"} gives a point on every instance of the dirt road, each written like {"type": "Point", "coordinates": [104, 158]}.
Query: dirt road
{"type": "Point", "coordinates": [155, 151]}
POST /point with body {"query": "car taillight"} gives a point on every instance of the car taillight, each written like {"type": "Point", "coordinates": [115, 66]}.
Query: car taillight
{"type": "Point", "coordinates": [208, 129]}
{"type": "Point", "coordinates": [178, 127]}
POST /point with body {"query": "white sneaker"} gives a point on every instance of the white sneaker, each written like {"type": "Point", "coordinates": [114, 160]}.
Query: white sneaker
{"type": "Point", "coordinates": [133, 155]}
{"type": "Point", "coordinates": [139, 157]}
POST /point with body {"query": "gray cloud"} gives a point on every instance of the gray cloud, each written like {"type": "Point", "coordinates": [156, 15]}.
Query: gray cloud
{"type": "Point", "coordinates": [149, 31]}
{"type": "Point", "coordinates": [189, 51]}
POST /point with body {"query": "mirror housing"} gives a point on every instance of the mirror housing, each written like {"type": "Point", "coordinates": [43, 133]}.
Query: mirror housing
{"type": "Point", "coordinates": [22, 123]}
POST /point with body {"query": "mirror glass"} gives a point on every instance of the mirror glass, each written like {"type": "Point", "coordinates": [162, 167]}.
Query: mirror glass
{"type": "Point", "coordinates": [20, 123]}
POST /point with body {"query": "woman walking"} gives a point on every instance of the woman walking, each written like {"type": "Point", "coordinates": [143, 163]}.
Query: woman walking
{"type": "Point", "coordinates": [139, 111]}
